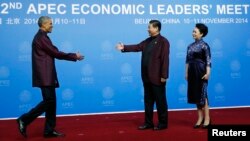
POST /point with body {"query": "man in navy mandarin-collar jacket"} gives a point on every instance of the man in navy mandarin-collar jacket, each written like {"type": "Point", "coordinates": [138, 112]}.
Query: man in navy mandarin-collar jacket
{"type": "Point", "coordinates": [44, 76]}
{"type": "Point", "coordinates": [154, 72]}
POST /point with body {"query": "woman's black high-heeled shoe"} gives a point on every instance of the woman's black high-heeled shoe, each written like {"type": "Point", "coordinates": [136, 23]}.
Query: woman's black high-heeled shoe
{"type": "Point", "coordinates": [198, 125]}
{"type": "Point", "coordinates": [206, 126]}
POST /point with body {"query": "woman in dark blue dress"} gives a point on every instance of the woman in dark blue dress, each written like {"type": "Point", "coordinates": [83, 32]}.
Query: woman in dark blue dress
{"type": "Point", "coordinates": [198, 64]}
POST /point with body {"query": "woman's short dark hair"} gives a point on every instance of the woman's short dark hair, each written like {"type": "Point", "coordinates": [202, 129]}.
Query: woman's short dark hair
{"type": "Point", "coordinates": [156, 23]}
{"type": "Point", "coordinates": [202, 28]}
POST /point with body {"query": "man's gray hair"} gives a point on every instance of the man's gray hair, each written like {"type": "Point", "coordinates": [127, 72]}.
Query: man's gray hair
{"type": "Point", "coordinates": [42, 19]}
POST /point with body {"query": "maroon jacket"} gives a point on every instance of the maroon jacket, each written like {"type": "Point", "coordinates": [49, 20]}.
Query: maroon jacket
{"type": "Point", "coordinates": [43, 60]}
{"type": "Point", "coordinates": [158, 66]}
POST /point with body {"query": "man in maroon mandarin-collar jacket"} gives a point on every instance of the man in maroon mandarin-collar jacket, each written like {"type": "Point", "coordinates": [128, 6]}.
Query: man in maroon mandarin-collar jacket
{"type": "Point", "coordinates": [43, 60]}
{"type": "Point", "coordinates": [44, 76]}
{"type": "Point", "coordinates": [154, 72]}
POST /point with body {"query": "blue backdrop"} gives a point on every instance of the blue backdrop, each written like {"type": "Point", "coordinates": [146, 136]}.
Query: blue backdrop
{"type": "Point", "coordinates": [107, 80]}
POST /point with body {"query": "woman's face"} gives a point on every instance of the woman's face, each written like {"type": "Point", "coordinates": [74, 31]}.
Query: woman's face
{"type": "Point", "coordinates": [196, 34]}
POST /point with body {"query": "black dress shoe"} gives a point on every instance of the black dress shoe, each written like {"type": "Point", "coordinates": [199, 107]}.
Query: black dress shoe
{"type": "Point", "coordinates": [207, 126]}
{"type": "Point", "coordinates": [144, 127]}
{"type": "Point", "coordinates": [198, 125]}
{"type": "Point", "coordinates": [53, 134]}
{"type": "Point", "coordinates": [21, 127]}
{"type": "Point", "coordinates": [157, 128]}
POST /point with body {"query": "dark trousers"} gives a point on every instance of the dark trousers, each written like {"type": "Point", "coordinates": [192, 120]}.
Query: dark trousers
{"type": "Point", "coordinates": [48, 105]}
{"type": "Point", "coordinates": [155, 94]}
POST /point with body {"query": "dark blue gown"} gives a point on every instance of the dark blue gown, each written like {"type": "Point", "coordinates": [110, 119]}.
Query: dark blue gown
{"type": "Point", "coordinates": [198, 58]}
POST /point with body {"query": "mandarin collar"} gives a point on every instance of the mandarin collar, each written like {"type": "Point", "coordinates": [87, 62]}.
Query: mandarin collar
{"type": "Point", "coordinates": [153, 37]}
{"type": "Point", "coordinates": [197, 41]}
{"type": "Point", "coordinates": [43, 32]}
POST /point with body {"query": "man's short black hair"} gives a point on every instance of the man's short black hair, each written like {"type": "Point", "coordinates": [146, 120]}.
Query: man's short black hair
{"type": "Point", "coordinates": [156, 23]}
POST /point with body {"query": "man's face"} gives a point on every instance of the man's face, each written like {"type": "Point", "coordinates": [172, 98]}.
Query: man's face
{"type": "Point", "coordinates": [152, 31]}
{"type": "Point", "coordinates": [47, 26]}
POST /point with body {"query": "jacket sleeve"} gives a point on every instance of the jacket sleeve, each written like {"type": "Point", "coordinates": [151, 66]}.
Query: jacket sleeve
{"type": "Point", "coordinates": [50, 49]}
{"type": "Point", "coordinates": [134, 48]}
{"type": "Point", "coordinates": [165, 59]}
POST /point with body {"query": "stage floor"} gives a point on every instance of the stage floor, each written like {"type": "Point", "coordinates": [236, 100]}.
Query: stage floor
{"type": "Point", "coordinates": [123, 127]}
